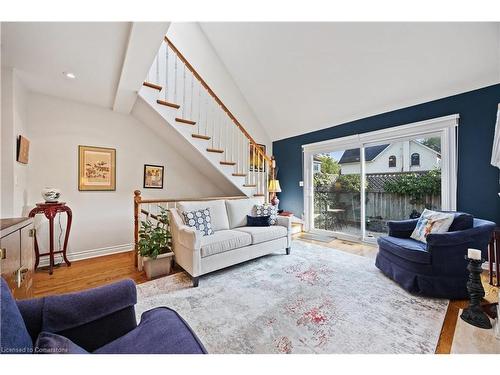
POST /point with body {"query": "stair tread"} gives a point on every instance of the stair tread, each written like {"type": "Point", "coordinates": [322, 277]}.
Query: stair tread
{"type": "Point", "coordinates": [201, 136]}
{"type": "Point", "coordinates": [152, 85]}
{"type": "Point", "coordinates": [249, 185]}
{"type": "Point", "coordinates": [168, 104]}
{"type": "Point", "coordinates": [239, 174]}
{"type": "Point", "coordinates": [215, 150]}
{"type": "Point", "coordinates": [228, 162]}
{"type": "Point", "coordinates": [259, 195]}
{"type": "Point", "coordinates": [184, 121]}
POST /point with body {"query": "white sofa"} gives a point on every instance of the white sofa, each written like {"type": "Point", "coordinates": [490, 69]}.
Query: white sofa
{"type": "Point", "coordinates": [233, 242]}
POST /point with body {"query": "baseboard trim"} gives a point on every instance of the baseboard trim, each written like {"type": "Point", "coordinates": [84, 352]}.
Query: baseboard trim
{"type": "Point", "coordinates": [87, 254]}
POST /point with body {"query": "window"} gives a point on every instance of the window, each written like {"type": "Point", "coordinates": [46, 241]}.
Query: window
{"type": "Point", "coordinates": [392, 161]}
{"type": "Point", "coordinates": [415, 159]}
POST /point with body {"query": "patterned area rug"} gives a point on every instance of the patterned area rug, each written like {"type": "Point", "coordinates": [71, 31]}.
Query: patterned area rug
{"type": "Point", "coordinates": [316, 300]}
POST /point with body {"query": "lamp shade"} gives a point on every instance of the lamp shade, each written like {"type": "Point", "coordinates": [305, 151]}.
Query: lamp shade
{"type": "Point", "coordinates": [274, 186]}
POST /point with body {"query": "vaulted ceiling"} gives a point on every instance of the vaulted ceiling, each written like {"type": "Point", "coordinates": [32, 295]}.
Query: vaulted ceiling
{"type": "Point", "coordinates": [301, 77]}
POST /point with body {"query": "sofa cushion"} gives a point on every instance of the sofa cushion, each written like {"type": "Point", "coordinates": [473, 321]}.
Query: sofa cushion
{"type": "Point", "coordinates": [222, 241]}
{"type": "Point", "coordinates": [161, 331]}
{"type": "Point", "coordinates": [406, 248]}
{"type": "Point", "coordinates": [217, 209]}
{"type": "Point", "coordinates": [14, 337]}
{"type": "Point", "coordinates": [264, 234]}
{"type": "Point", "coordinates": [238, 209]}
{"type": "Point", "coordinates": [50, 343]}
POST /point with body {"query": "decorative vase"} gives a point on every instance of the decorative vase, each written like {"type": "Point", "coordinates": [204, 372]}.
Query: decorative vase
{"type": "Point", "coordinates": [275, 201]}
{"type": "Point", "coordinates": [51, 195]}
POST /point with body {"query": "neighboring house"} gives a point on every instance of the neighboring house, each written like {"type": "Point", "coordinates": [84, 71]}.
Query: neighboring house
{"type": "Point", "coordinates": [407, 156]}
{"type": "Point", "coordinates": [316, 164]}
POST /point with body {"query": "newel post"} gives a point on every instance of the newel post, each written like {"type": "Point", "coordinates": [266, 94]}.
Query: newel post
{"type": "Point", "coordinates": [137, 204]}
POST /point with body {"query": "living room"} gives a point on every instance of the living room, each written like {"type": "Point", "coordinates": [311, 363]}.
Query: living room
{"type": "Point", "coordinates": [210, 187]}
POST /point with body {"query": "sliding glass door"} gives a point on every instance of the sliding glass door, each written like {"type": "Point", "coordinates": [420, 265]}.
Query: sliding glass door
{"type": "Point", "coordinates": [337, 192]}
{"type": "Point", "coordinates": [355, 185]}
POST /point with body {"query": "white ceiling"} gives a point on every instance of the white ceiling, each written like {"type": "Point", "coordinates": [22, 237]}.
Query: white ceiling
{"type": "Point", "coordinates": [301, 77]}
{"type": "Point", "coordinates": [42, 51]}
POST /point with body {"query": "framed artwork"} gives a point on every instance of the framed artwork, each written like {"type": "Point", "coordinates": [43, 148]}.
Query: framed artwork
{"type": "Point", "coordinates": [254, 159]}
{"type": "Point", "coordinates": [23, 149]}
{"type": "Point", "coordinates": [96, 168]}
{"type": "Point", "coordinates": [153, 176]}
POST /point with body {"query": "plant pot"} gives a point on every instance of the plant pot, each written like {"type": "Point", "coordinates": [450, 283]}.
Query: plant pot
{"type": "Point", "coordinates": [160, 266]}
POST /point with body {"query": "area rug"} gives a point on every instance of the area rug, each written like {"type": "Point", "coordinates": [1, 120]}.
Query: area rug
{"type": "Point", "coordinates": [316, 300]}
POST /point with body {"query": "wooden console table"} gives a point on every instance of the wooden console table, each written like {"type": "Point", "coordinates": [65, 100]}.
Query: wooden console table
{"type": "Point", "coordinates": [50, 210]}
{"type": "Point", "coordinates": [494, 256]}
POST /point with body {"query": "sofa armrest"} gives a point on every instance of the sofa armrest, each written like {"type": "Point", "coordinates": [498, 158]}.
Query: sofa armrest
{"type": "Point", "coordinates": [284, 221]}
{"type": "Point", "coordinates": [402, 228]}
{"type": "Point", "coordinates": [187, 236]}
{"type": "Point", "coordinates": [94, 317]}
{"type": "Point", "coordinates": [448, 239]}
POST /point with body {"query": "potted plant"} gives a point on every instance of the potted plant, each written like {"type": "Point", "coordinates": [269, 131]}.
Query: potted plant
{"type": "Point", "coordinates": [154, 245]}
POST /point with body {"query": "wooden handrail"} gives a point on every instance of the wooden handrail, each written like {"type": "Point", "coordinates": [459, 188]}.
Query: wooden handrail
{"type": "Point", "coordinates": [214, 95]}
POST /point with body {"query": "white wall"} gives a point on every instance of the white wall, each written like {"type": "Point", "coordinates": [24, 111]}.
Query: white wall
{"type": "Point", "coordinates": [191, 41]}
{"type": "Point", "coordinates": [102, 221]}
{"type": "Point", "coordinates": [14, 123]}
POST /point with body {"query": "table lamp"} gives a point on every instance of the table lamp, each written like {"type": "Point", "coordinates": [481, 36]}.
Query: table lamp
{"type": "Point", "coordinates": [274, 187]}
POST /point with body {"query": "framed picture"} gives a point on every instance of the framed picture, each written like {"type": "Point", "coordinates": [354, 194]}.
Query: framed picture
{"type": "Point", "coordinates": [23, 149]}
{"type": "Point", "coordinates": [96, 168]}
{"type": "Point", "coordinates": [256, 164]}
{"type": "Point", "coordinates": [153, 176]}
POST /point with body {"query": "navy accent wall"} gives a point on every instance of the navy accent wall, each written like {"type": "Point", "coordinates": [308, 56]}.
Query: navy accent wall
{"type": "Point", "coordinates": [478, 180]}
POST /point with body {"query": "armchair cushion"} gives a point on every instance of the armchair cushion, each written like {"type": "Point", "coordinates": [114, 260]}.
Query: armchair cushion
{"type": "Point", "coordinates": [402, 228]}
{"type": "Point", "coordinates": [14, 337]}
{"type": "Point", "coordinates": [462, 221]}
{"type": "Point", "coordinates": [161, 331]}
{"type": "Point", "coordinates": [222, 241]}
{"type": "Point", "coordinates": [51, 343]}
{"type": "Point", "coordinates": [217, 210]}
{"type": "Point", "coordinates": [406, 248]}
{"type": "Point", "coordinates": [264, 234]}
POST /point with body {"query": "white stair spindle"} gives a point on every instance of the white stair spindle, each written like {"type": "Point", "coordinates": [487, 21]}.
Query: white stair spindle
{"type": "Point", "coordinates": [166, 89]}
{"type": "Point", "coordinates": [176, 91]}
{"type": "Point", "coordinates": [183, 91]}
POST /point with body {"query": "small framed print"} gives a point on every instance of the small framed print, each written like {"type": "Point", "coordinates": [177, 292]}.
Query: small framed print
{"type": "Point", "coordinates": [23, 149]}
{"type": "Point", "coordinates": [153, 176]}
{"type": "Point", "coordinates": [96, 168]}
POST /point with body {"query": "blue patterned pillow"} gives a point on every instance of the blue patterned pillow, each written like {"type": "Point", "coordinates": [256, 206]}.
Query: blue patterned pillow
{"type": "Point", "coordinates": [267, 209]}
{"type": "Point", "coordinates": [200, 220]}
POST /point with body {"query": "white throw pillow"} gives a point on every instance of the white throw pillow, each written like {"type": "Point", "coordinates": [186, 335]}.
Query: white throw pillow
{"type": "Point", "coordinates": [267, 209]}
{"type": "Point", "coordinates": [432, 222]}
{"type": "Point", "coordinates": [200, 220]}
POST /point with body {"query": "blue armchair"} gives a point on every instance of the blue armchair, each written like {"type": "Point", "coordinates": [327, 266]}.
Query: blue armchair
{"type": "Point", "coordinates": [438, 268]}
{"type": "Point", "coordinates": [100, 320]}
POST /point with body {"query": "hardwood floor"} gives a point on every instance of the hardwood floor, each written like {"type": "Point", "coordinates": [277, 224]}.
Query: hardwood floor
{"type": "Point", "coordinates": [99, 271]}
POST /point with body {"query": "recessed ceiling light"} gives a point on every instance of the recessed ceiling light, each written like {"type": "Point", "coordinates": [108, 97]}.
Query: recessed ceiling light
{"type": "Point", "coordinates": [69, 75]}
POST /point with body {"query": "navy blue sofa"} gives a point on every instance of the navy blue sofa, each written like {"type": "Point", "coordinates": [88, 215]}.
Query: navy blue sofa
{"type": "Point", "coordinates": [100, 320]}
{"type": "Point", "coordinates": [438, 268]}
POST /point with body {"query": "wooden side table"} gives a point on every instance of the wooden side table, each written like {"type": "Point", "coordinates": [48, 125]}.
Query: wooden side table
{"type": "Point", "coordinates": [494, 256]}
{"type": "Point", "coordinates": [50, 210]}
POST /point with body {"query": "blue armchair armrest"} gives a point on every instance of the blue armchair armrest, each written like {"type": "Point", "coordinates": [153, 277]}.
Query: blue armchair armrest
{"type": "Point", "coordinates": [402, 228]}
{"type": "Point", "coordinates": [90, 319]}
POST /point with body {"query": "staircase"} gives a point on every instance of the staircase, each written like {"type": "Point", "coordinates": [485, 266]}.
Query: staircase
{"type": "Point", "coordinates": [184, 100]}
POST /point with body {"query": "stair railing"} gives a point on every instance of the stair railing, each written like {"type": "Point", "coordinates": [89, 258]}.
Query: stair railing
{"type": "Point", "coordinates": [197, 105]}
